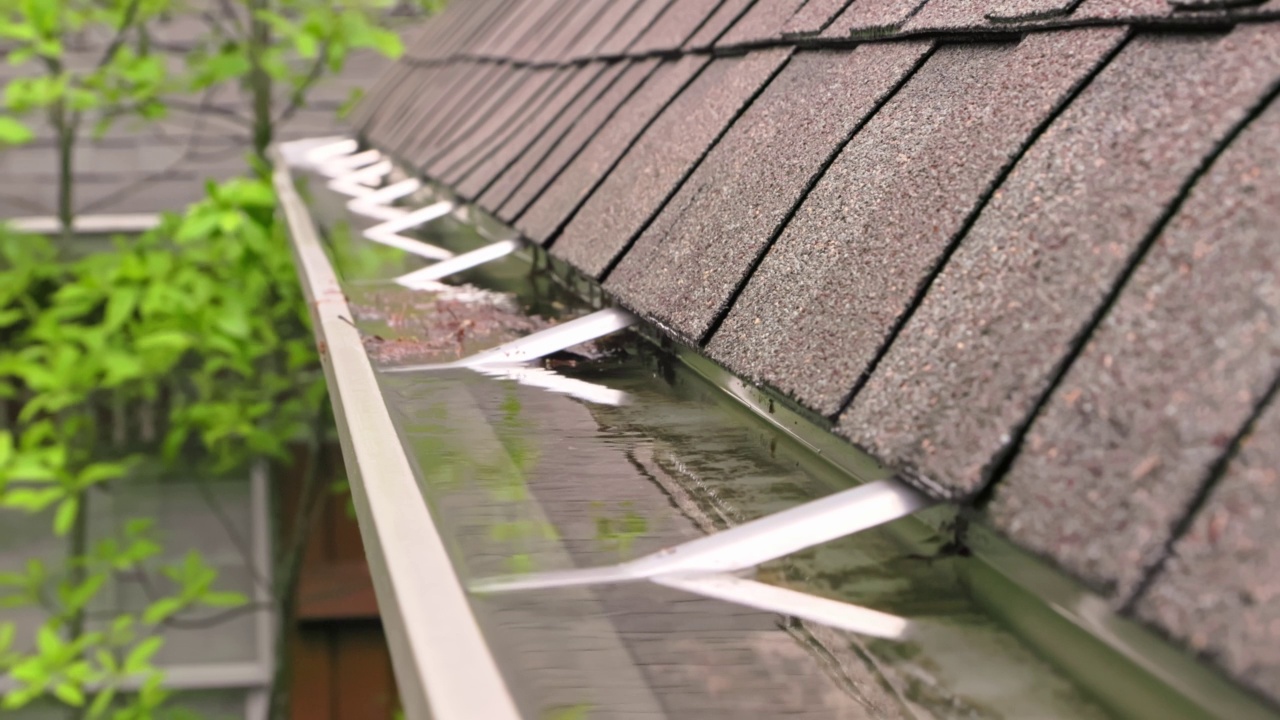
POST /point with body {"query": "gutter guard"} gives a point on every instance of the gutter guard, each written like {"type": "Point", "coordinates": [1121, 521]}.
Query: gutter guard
{"type": "Point", "coordinates": [443, 666]}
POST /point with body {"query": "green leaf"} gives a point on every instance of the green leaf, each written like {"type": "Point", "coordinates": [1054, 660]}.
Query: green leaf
{"type": "Point", "coordinates": [13, 132]}
{"type": "Point", "coordinates": [77, 598]}
{"type": "Point", "coordinates": [6, 636]}
{"type": "Point", "coordinates": [6, 451]}
{"type": "Point", "coordinates": [101, 472]}
{"type": "Point", "coordinates": [224, 599]}
{"type": "Point", "coordinates": [69, 693]}
{"type": "Point", "coordinates": [161, 610]}
{"type": "Point", "coordinates": [65, 517]}
{"type": "Point", "coordinates": [101, 703]}
{"type": "Point", "coordinates": [139, 658]}
{"type": "Point", "coordinates": [47, 640]}
{"type": "Point", "coordinates": [31, 500]}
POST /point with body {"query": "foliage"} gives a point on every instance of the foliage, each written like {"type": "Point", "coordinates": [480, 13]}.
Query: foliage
{"type": "Point", "coordinates": [203, 313]}
{"type": "Point", "coordinates": [126, 78]}
{"type": "Point", "coordinates": [201, 322]}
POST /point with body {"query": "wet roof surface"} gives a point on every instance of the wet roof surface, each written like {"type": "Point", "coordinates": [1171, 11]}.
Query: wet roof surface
{"type": "Point", "coordinates": [977, 288]}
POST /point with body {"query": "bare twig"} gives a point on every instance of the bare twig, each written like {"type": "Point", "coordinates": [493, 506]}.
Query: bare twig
{"type": "Point", "coordinates": [299, 96]}
{"type": "Point", "coordinates": [122, 32]}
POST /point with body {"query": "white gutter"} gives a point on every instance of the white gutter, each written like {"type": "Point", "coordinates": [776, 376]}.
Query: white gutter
{"type": "Point", "coordinates": [443, 666]}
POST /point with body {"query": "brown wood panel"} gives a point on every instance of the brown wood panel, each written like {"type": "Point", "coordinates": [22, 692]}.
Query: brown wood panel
{"type": "Point", "coordinates": [311, 653]}
{"type": "Point", "coordinates": [365, 686]}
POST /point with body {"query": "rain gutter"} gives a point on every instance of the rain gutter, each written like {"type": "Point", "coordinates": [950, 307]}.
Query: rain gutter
{"type": "Point", "coordinates": [1129, 669]}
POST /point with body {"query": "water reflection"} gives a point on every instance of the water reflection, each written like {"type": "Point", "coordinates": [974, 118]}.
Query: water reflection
{"type": "Point", "coordinates": [524, 481]}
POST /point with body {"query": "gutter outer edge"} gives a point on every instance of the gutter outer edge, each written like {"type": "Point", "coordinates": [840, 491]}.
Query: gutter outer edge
{"type": "Point", "coordinates": [442, 664]}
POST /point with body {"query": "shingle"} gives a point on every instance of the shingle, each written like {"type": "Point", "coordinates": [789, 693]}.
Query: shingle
{"type": "Point", "coordinates": [426, 102]}
{"type": "Point", "coordinates": [580, 28]}
{"type": "Point", "coordinates": [524, 91]}
{"type": "Point", "coordinates": [813, 17]}
{"type": "Point", "coordinates": [377, 104]}
{"type": "Point", "coordinates": [509, 24]}
{"type": "Point", "coordinates": [533, 19]}
{"type": "Point", "coordinates": [524, 122]}
{"type": "Point", "coordinates": [561, 24]}
{"type": "Point", "coordinates": [1120, 9]}
{"type": "Point", "coordinates": [532, 131]}
{"type": "Point", "coordinates": [1219, 593]}
{"type": "Point", "coordinates": [434, 37]}
{"type": "Point", "coordinates": [487, 96]}
{"type": "Point", "coordinates": [613, 15]}
{"type": "Point", "coordinates": [977, 14]}
{"type": "Point", "coordinates": [868, 18]}
{"type": "Point", "coordinates": [762, 23]}
{"type": "Point", "coordinates": [1171, 374]}
{"type": "Point", "coordinates": [599, 150]}
{"type": "Point", "coordinates": [720, 21]}
{"type": "Point", "coordinates": [686, 265]}
{"type": "Point", "coordinates": [632, 27]}
{"type": "Point", "coordinates": [674, 26]}
{"type": "Point", "coordinates": [531, 159]}
{"type": "Point", "coordinates": [844, 270]}
{"type": "Point", "coordinates": [436, 112]}
{"type": "Point", "coordinates": [661, 158]}
{"type": "Point", "coordinates": [968, 368]}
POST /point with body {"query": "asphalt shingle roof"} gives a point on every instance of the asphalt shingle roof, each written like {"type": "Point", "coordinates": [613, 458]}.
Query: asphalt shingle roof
{"type": "Point", "coordinates": [653, 168]}
{"type": "Point", "coordinates": [618, 126]}
{"type": "Point", "coordinates": [1022, 251]}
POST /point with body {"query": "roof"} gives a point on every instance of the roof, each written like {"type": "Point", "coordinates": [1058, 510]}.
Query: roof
{"type": "Point", "coordinates": [1016, 249]}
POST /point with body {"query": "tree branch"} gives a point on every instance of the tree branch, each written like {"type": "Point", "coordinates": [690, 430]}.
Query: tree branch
{"type": "Point", "coordinates": [126, 24]}
{"type": "Point", "coordinates": [299, 97]}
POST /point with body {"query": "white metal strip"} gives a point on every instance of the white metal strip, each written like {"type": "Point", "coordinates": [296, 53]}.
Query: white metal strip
{"type": "Point", "coordinates": [747, 545]}
{"type": "Point", "coordinates": [761, 596]}
{"type": "Point", "coordinates": [388, 233]}
{"type": "Point", "coordinates": [533, 376]}
{"type": "Point", "coordinates": [315, 156]}
{"type": "Point", "coordinates": [344, 164]}
{"type": "Point", "coordinates": [444, 668]}
{"type": "Point", "coordinates": [359, 183]}
{"type": "Point", "coordinates": [553, 339]}
{"type": "Point", "coordinates": [88, 224]}
{"type": "Point", "coordinates": [376, 204]}
{"type": "Point", "coordinates": [427, 277]}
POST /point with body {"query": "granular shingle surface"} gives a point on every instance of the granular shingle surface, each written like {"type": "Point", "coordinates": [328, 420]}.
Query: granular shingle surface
{"type": "Point", "coordinates": [868, 18]}
{"type": "Point", "coordinates": [562, 197]}
{"type": "Point", "coordinates": [848, 265]}
{"type": "Point", "coordinates": [1220, 591]}
{"type": "Point", "coordinates": [685, 266]}
{"type": "Point", "coordinates": [674, 26]}
{"type": "Point", "coordinates": [813, 17]}
{"type": "Point", "coordinates": [522, 89]}
{"type": "Point", "coordinates": [632, 27]}
{"type": "Point", "coordinates": [569, 31]}
{"type": "Point", "coordinates": [457, 110]}
{"type": "Point", "coordinates": [584, 127]}
{"type": "Point", "coordinates": [576, 87]}
{"type": "Point", "coordinates": [610, 18]}
{"type": "Point", "coordinates": [980, 351]}
{"type": "Point", "coordinates": [1171, 375]}
{"type": "Point", "coordinates": [720, 21]}
{"type": "Point", "coordinates": [557, 118]}
{"type": "Point", "coordinates": [762, 23]}
{"type": "Point", "coordinates": [662, 157]}
{"type": "Point", "coordinates": [970, 14]}
{"type": "Point", "coordinates": [521, 123]}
